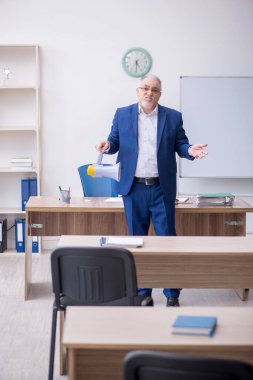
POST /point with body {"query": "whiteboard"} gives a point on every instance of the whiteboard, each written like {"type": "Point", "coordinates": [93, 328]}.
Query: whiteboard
{"type": "Point", "coordinates": [218, 111]}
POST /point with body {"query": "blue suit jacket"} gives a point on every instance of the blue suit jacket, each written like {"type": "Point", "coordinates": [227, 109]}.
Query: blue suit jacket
{"type": "Point", "coordinates": [171, 138]}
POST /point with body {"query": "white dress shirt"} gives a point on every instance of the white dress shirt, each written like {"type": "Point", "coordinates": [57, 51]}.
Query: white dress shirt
{"type": "Point", "coordinates": [147, 141]}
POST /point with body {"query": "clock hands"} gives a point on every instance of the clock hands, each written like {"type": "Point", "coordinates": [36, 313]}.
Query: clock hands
{"type": "Point", "coordinates": [137, 65]}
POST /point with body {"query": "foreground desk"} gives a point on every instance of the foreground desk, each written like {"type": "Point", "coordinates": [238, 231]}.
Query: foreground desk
{"type": "Point", "coordinates": [47, 216]}
{"type": "Point", "coordinates": [98, 338]}
{"type": "Point", "coordinates": [187, 261]}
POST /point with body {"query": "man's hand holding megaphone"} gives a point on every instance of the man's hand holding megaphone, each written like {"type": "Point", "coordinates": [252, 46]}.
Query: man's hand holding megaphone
{"type": "Point", "coordinates": [102, 146]}
{"type": "Point", "coordinates": [98, 170]}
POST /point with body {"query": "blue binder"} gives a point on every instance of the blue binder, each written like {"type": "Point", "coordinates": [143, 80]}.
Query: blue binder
{"type": "Point", "coordinates": [28, 188]}
{"type": "Point", "coordinates": [33, 192]}
{"type": "Point", "coordinates": [33, 187]}
{"type": "Point", "coordinates": [20, 235]}
{"type": "Point", "coordinates": [25, 191]}
{"type": "Point", "coordinates": [35, 244]}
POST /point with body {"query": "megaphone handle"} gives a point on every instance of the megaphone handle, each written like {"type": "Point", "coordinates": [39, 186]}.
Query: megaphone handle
{"type": "Point", "coordinates": [100, 158]}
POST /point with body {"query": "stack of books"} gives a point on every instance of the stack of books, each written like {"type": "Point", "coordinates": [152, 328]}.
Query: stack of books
{"type": "Point", "coordinates": [215, 199]}
{"type": "Point", "coordinates": [23, 162]}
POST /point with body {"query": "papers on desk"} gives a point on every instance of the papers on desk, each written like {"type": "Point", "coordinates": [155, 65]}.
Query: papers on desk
{"type": "Point", "coordinates": [181, 200]}
{"type": "Point", "coordinates": [194, 325]}
{"type": "Point", "coordinates": [114, 199]}
{"type": "Point", "coordinates": [119, 241]}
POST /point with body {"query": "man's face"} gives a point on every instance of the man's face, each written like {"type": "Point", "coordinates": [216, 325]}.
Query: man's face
{"type": "Point", "coordinates": [148, 93]}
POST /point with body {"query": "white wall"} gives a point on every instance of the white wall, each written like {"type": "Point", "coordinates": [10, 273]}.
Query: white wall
{"type": "Point", "coordinates": [82, 43]}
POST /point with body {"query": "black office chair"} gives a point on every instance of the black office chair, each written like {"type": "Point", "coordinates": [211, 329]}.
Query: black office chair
{"type": "Point", "coordinates": [154, 365]}
{"type": "Point", "coordinates": [82, 276]}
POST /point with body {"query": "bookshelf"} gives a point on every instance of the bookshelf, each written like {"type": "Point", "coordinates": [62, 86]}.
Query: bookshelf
{"type": "Point", "coordinates": [19, 128]}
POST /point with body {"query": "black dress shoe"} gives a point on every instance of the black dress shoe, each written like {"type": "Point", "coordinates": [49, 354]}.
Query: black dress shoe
{"type": "Point", "coordinates": [172, 301]}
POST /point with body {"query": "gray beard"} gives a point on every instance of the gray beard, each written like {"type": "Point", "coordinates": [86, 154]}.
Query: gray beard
{"type": "Point", "coordinates": [147, 105]}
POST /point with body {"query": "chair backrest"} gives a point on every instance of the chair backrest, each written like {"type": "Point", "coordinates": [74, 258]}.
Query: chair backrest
{"type": "Point", "coordinates": [96, 187]}
{"type": "Point", "coordinates": [149, 365]}
{"type": "Point", "coordinates": [93, 276]}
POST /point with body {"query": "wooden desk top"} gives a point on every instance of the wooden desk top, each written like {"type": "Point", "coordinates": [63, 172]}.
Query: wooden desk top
{"type": "Point", "coordinates": [77, 204]}
{"type": "Point", "coordinates": [141, 327]}
{"type": "Point", "coordinates": [181, 245]}
{"type": "Point", "coordinates": [99, 204]}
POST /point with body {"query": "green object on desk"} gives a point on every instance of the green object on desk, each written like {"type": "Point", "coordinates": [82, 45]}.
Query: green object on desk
{"type": "Point", "coordinates": [215, 195]}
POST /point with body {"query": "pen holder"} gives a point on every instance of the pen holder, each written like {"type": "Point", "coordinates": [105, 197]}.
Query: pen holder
{"type": "Point", "coordinates": [64, 196]}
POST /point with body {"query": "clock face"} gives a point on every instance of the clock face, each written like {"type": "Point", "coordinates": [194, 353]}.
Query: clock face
{"type": "Point", "coordinates": [137, 62]}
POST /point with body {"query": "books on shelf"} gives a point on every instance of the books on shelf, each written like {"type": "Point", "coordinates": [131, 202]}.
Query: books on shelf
{"type": "Point", "coordinates": [22, 162]}
{"type": "Point", "coordinates": [194, 325]}
{"type": "Point", "coordinates": [120, 241]}
{"type": "Point", "coordinates": [215, 199]}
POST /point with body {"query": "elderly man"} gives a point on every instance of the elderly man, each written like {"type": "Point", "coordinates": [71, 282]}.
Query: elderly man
{"type": "Point", "coordinates": [146, 136]}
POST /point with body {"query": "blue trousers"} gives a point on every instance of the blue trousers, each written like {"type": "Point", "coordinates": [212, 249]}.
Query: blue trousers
{"type": "Point", "coordinates": [145, 203]}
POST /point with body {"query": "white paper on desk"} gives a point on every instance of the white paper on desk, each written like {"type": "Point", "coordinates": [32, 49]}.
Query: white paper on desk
{"type": "Point", "coordinates": [114, 199]}
{"type": "Point", "coordinates": [121, 241]}
{"type": "Point", "coordinates": [182, 199]}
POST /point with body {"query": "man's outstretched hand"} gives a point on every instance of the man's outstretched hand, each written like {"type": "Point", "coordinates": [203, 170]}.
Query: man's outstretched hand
{"type": "Point", "coordinates": [198, 151]}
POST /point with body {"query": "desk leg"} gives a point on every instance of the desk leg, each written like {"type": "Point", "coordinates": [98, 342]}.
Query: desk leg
{"type": "Point", "coordinates": [242, 293]}
{"type": "Point", "coordinates": [28, 260]}
{"type": "Point", "coordinates": [71, 364]}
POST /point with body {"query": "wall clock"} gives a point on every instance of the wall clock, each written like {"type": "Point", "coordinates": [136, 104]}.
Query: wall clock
{"type": "Point", "coordinates": [136, 62]}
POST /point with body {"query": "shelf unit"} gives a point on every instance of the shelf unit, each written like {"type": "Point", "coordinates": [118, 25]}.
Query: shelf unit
{"type": "Point", "coordinates": [19, 127]}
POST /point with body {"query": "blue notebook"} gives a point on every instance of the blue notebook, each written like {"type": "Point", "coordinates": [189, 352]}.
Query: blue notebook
{"type": "Point", "coordinates": [195, 325]}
